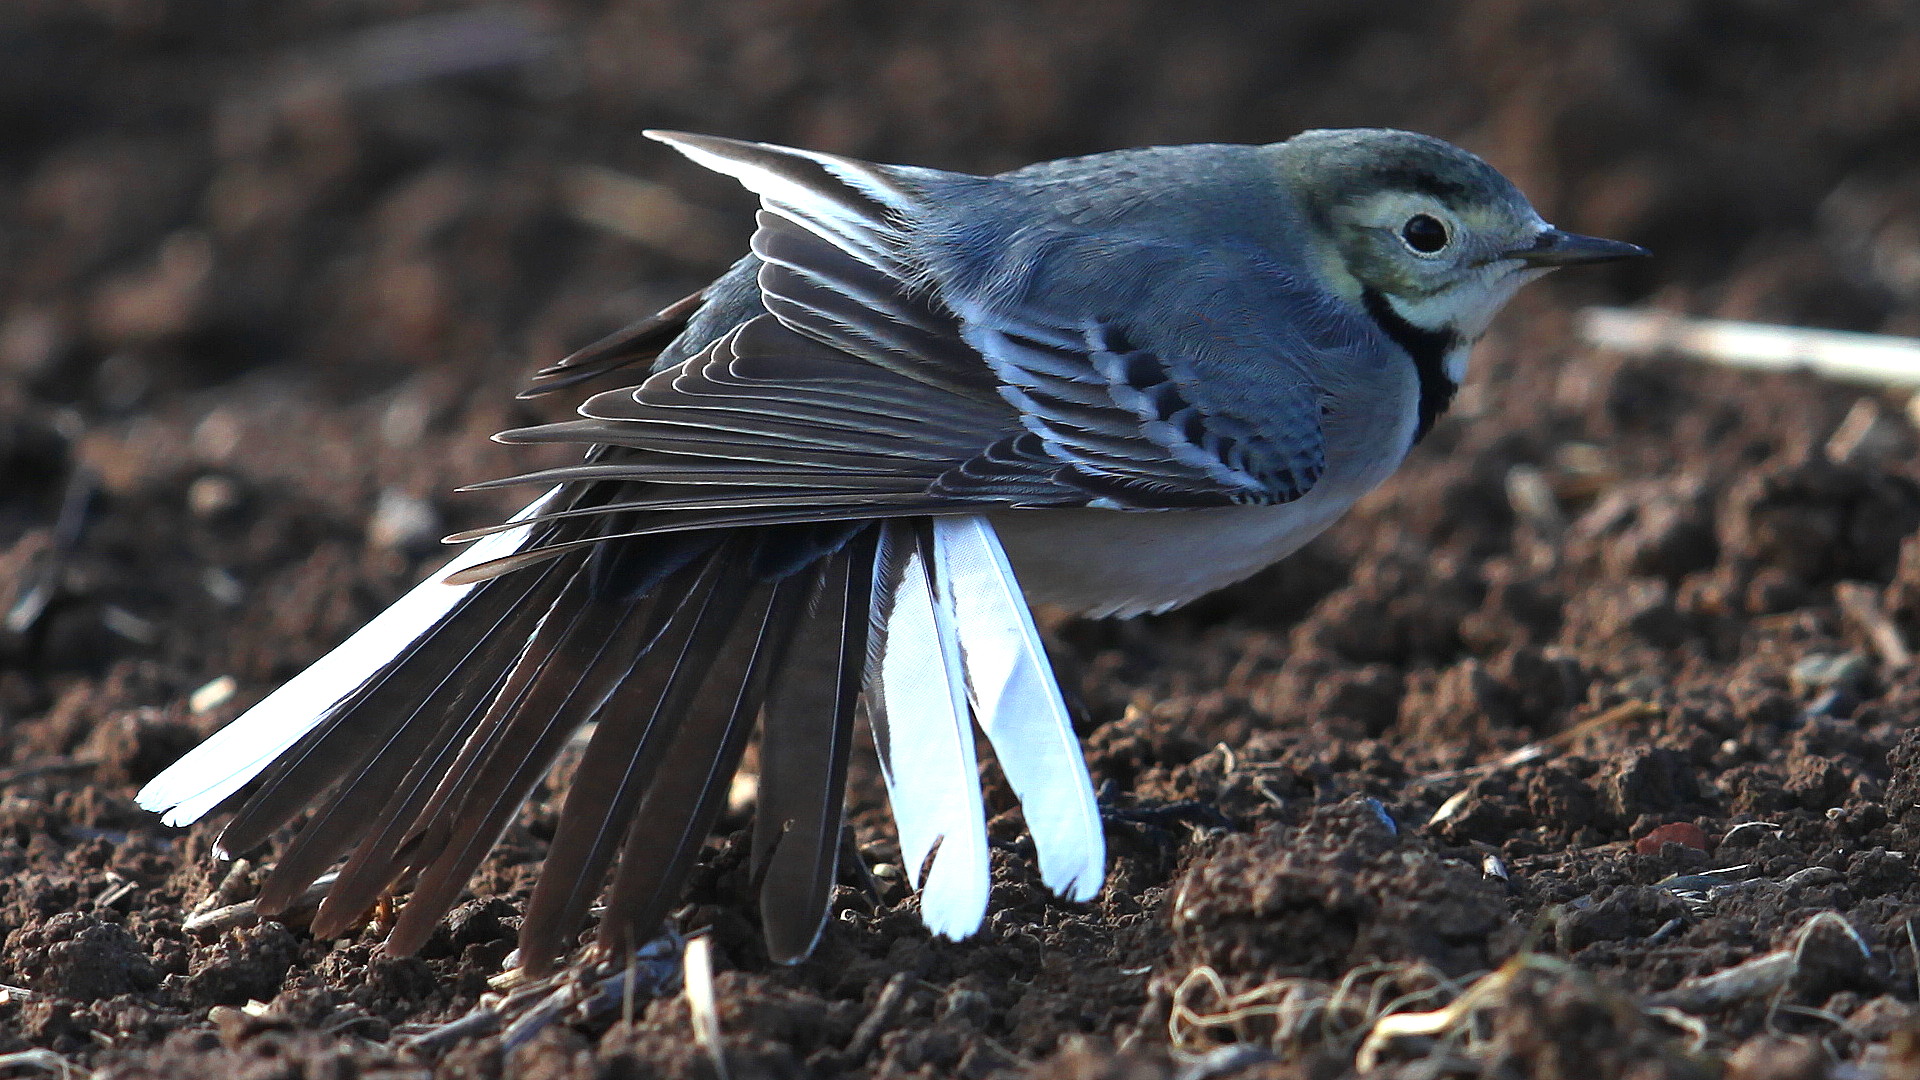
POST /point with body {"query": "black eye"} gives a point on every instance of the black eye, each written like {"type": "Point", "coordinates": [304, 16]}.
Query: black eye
{"type": "Point", "coordinates": [1424, 233]}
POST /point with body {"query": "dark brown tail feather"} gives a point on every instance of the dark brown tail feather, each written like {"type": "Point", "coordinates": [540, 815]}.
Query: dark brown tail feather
{"type": "Point", "coordinates": [447, 676]}
{"type": "Point", "coordinates": [674, 644]}
{"type": "Point", "coordinates": [575, 669]}
{"type": "Point", "coordinates": [377, 734]}
{"type": "Point", "coordinates": [691, 786]}
{"type": "Point", "coordinates": [806, 736]}
{"type": "Point", "coordinates": [668, 690]}
{"type": "Point", "coordinates": [412, 825]}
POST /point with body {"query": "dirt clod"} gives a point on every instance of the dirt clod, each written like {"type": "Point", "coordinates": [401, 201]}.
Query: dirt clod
{"type": "Point", "coordinates": [244, 966]}
{"type": "Point", "coordinates": [78, 956]}
{"type": "Point", "coordinates": [1339, 890]}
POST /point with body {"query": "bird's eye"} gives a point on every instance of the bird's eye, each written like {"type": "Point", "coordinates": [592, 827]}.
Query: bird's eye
{"type": "Point", "coordinates": [1424, 233]}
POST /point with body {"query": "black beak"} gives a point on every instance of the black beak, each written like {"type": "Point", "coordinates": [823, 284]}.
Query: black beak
{"type": "Point", "coordinates": [1554, 248]}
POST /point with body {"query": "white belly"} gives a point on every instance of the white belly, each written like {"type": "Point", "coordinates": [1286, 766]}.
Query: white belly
{"type": "Point", "coordinates": [1118, 562]}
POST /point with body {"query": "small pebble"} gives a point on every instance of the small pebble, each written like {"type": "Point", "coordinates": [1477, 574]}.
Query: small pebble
{"type": "Point", "coordinates": [966, 1004]}
{"type": "Point", "coordinates": [1866, 435]}
{"type": "Point", "coordinates": [212, 495]}
{"type": "Point", "coordinates": [225, 589]}
{"type": "Point", "coordinates": [403, 522]}
{"type": "Point", "coordinates": [1822, 671]}
{"type": "Point", "coordinates": [1685, 833]}
{"type": "Point", "coordinates": [213, 694]}
{"type": "Point", "coordinates": [1380, 811]}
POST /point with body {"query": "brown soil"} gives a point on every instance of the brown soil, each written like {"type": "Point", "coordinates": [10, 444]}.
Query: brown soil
{"type": "Point", "coordinates": [271, 274]}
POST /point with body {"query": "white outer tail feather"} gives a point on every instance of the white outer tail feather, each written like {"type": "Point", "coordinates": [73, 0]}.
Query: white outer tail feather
{"type": "Point", "coordinates": [933, 783]}
{"type": "Point", "coordinates": [966, 625]}
{"type": "Point", "coordinates": [1018, 705]}
{"type": "Point", "coordinates": [200, 781]}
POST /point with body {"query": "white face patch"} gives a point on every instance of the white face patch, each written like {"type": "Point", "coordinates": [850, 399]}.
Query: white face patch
{"type": "Point", "coordinates": [1468, 306]}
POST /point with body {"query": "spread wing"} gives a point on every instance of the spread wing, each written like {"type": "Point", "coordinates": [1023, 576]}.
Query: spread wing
{"type": "Point", "coordinates": [861, 392]}
{"type": "Point", "coordinates": [852, 389]}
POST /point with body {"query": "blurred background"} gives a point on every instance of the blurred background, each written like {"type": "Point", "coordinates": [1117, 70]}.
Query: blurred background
{"type": "Point", "coordinates": [194, 189]}
{"type": "Point", "coordinates": [269, 272]}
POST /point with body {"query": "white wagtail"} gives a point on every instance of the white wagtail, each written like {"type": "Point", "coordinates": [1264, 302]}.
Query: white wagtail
{"type": "Point", "coordinates": [1110, 383]}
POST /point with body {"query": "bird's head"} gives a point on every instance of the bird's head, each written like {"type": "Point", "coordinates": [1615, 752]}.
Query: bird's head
{"type": "Point", "coordinates": [1424, 228]}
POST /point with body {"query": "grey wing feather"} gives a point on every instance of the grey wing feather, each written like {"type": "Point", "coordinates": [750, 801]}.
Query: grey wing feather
{"type": "Point", "coordinates": [1125, 429]}
{"type": "Point", "coordinates": [861, 381]}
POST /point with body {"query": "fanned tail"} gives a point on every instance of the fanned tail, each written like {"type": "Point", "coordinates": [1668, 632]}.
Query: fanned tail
{"type": "Point", "coordinates": [222, 765]}
{"type": "Point", "coordinates": [673, 647]}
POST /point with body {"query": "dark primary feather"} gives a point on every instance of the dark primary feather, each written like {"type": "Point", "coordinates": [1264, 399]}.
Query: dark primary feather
{"type": "Point", "coordinates": [642, 717]}
{"type": "Point", "coordinates": [577, 656]}
{"type": "Point", "coordinates": [637, 343]}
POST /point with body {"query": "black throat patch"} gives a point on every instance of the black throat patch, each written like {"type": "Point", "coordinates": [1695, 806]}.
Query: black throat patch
{"type": "Point", "coordinates": [1429, 350]}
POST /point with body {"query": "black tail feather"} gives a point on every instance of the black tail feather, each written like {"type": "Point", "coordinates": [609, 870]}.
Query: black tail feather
{"type": "Point", "coordinates": [643, 715]}
{"type": "Point", "coordinates": [378, 733]}
{"type": "Point", "coordinates": [576, 669]}
{"type": "Point", "coordinates": [410, 824]}
{"type": "Point", "coordinates": [806, 736]}
{"type": "Point", "coordinates": [690, 787]}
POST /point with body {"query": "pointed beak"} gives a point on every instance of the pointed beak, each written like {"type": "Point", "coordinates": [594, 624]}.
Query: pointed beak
{"type": "Point", "coordinates": [1555, 248]}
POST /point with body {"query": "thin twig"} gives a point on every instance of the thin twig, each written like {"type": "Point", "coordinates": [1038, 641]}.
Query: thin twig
{"type": "Point", "coordinates": [1913, 948]}
{"type": "Point", "coordinates": [1534, 751]}
{"type": "Point", "coordinates": [41, 582]}
{"type": "Point", "coordinates": [697, 963]}
{"type": "Point", "coordinates": [1860, 603]}
{"type": "Point", "coordinates": [241, 914]}
{"type": "Point", "coordinates": [46, 767]}
{"type": "Point", "coordinates": [576, 995]}
{"type": "Point", "coordinates": [1759, 976]}
{"type": "Point", "coordinates": [1870, 358]}
{"type": "Point", "coordinates": [886, 1009]}
{"type": "Point", "coordinates": [44, 1059]}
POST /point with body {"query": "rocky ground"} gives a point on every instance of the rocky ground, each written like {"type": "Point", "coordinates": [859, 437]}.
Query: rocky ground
{"type": "Point", "coordinates": [1586, 748]}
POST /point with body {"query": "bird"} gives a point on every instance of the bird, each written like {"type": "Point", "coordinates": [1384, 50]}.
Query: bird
{"type": "Point", "coordinates": [833, 483]}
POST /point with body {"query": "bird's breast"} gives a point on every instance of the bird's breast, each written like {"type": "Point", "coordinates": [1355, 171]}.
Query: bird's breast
{"type": "Point", "coordinates": [1109, 562]}
{"type": "Point", "coordinates": [1132, 562]}
{"type": "Point", "coordinates": [1116, 562]}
